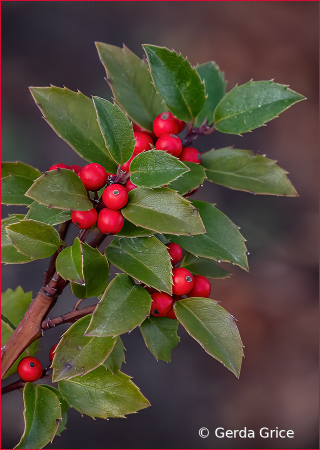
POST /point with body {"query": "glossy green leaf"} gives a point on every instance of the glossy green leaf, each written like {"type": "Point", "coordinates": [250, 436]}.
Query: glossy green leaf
{"type": "Point", "coordinates": [162, 210]}
{"type": "Point", "coordinates": [129, 229]}
{"type": "Point", "coordinates": [19, 168]}
{"type": "Point", "coordinates": [64, 408]}
{"type": "Point", "coordinates": [214, 328]}
{"type": "Point", "coordinates": [51, 216]}
{"type": "Point", "coordinates": [246, 171]}
{"type": "Point", "coordinates": [16, 178]}
{"type": "Point", "coordinates": [251, 105]}
{"type": "Point", "coordinates": [123, 306]}
{"type": "Point", "coordinates": [221, 242]}
{"type": "Point", "coordinates": [72, 116]}
{"type": "Point", "coordinates": [155, 168]}
{"type": "Point", "coordinates": [95, 269]}
{"type": "Point", "coordinates": [35, 239]}
{"type": "Point", "coordinates": [215, 87]}
{"type": "Point", "coordinates": [69, 266]}
{"type": "Point", "coordinates": [77, 354]}
{"type": "Point", "coordinates": [160, 336]}
{"type": "Point", "coordinates": [42, 415]}
{"type": "Point", "coordinates": [190, 180]}
{"type": "Point", "coordinates": [203, 266]}
{"type": "Point", "coordinates": [60, 188]}
{"type": "Point", "coordinates": [117, 357]}
{"type": "Point", "coordinates": [14, 304]}
{"type": "Point", "coordinates": [178, 83]}
{"type": "Point", "coordinates": [103, 394]}
{"type": "Point", "coordinates": [9, 253]}
{"type": "Point", "coordinates": [131, 84]}
{"type": "Point", "coordinates": [116, 130]}
{"type": "Point", "coordinates": [144, 258]}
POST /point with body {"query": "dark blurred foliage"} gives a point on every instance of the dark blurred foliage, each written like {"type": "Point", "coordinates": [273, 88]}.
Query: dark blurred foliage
{"type": "Point", "coordinates": [47, 43]}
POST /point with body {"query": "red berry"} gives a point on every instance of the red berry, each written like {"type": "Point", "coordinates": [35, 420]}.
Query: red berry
{"type": "Point", "coordinates": [30, 369]}
{"type": "Point", "coordinates": [93, 176]}
{"type": "Point", "coordinates": [170, 143]}
{"type": "Point", "coordinates": [125, 167]}
{"type": "Point", "coordinates": [175, 251]}
{"type": "Point", "coordinates": [76, 169]}
{"type": "Point", "coordinates": [190, 154]}
{"type": "Point", "coordinates": [182, 280]}
{"type": "Point", "coordinates": [202, 287]}
{"type": "Point", "coordinates": [110, 221]}
{"type": "Point", "coordinates": [84, 219]}
{"type": "Point", "coordinates": [165, 123]}
{"type": "Point", "coordinates": [58, 166]}
{"type": "Point", "coordinates": [171, 314]}
{"type": "Point", "coordinates": [52, 351]}
{"type": "Point", "coordinates": [182, 124]}
{"type": "Point", "coordinates": [115, 196]}
{"type": "Point", "coordinates": [130, 186]}
{"type": "Point", "coordinates": [143, 130]}
{"type": "Point", "coordinates": [143, 142]}
{"type": "Point", "coordinates": [161, 304]}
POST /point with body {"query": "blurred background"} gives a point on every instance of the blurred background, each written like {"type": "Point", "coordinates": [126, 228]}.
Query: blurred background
{"type": "Point", "coordinates": [276, 303]}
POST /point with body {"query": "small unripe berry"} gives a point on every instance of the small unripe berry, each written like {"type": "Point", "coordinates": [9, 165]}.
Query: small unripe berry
{"type": "Point", "coordinates": [84, 219]}
{"type": "Point", "coordinates": [52, 352]}
{"type": "Point", "coordinates": [58, 166]}
{"type": "Point", "coordinates": [130, 186]}
{"type": "Point", "coordinates": [110, 221]}
{"type": "Point", "coordinates": [143, 142]}
{"type": "Point", "coordinates": [115, 196]}
{"type": "Point", "coordinates": [161, 304]}
{"type": "Point", "coordinates": [30, 369]}
{"type": "Point", "coordinates": [171, 314]}
{"type": "Point", "coordinates": [170, 143]}
{"type": "Point", "coordinates": [201, 288]}
{"type": "Point", "coordinates": [190, 154]}
{"type": "Point", "coordinates": [77, 169]}
{"type": "Point", "coordinates": [165, 123]}
{"type": "Point", "coordinates": [126, 166]}
{"type": "Point", "coordinates": [175, 251]}
{"type": "Point", "coordinates": [182, 280]}
{"type": "Point", "coordinates": [93, 176]}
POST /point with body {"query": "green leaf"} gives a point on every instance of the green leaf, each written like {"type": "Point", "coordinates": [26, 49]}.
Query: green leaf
{"type": "Point", "coordinates": [178, 83]}
{"type": "Point", "coordinates": [123, 306]}
{"type": "Point", "coordinates": [116, 358]}
{"type": "Point", "coordinates": [251, 105]}
{"type": "Point", "coordinates": [116, 130]}
{"type": "Point", "coordinates": [60, 188]}
{"type": "Point", "coordinates": [35, 239]}
{"type": "Point", "coordinates": [131, 84]}
{"type": "Point", "coordinates": [103, 394]}
{"type": "Point", "coordinates": [221, 242]}
{"type": "Point", "coordinates": [14, 304]}
{"type": "Point", "coordinates": [155, 168]}
{"type": "Point", "coordinates": [246, 171]}
{"type": "Point", "coordinates": [16, 178]}
{"type": "Point", "coordinates": [72, 116]}
{"type": "Point", "coordinates": [162, 210]}
{"type": "Point", "coordinates": [95, 269]}
{"type": "Point", "coordinates": [190, 180]}
{"type": "Point", "coordinates": [69, 263]}
{"type": "Point", "coordinates": [160, 336]}
{"type": "Point", "coordinates": [42, 415]}
{"type": "Point", "coordinates": [51, 216]}
{"type": "Point", "coordinates": [64, 408]}
{"type": "Point", "coordinates": [9, 253]}
{"type": "Point", "coordinates": [215, 87]}
{"type": "Point", "coordinates": [144, 258]}
{"type": "Point", "coordinates": [214, 328]}
{"type": "Point", "coordinates": [129, 229]}
{"type": "Point", "coordinates": [203, 266]}
{"type": "Point", "coordinates": [77, 354]}
{"type": "Point", "coordinates": [20, 169]}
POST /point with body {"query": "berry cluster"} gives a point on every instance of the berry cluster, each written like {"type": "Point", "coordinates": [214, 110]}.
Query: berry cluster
{"type": "Point", "coordinates": [166, 127]}
{"type": "Point", "coordinates": [183, 283]}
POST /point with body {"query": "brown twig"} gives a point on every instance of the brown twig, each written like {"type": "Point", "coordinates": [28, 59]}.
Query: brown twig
{"type": "Point", "coordinates": [96, 241]}
{"type": "Point", "coordinates": [20, 384]}
{"type": "Point", "coordinates": [69, 317]}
